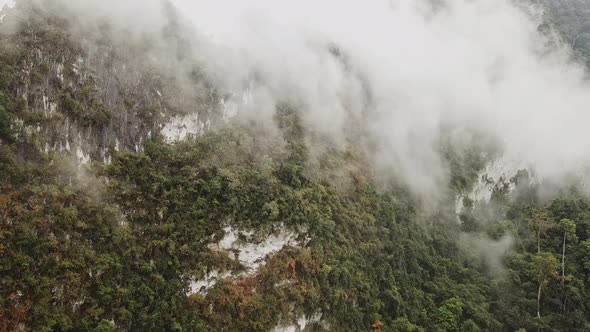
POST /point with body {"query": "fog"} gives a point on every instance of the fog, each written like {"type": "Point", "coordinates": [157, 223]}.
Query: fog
{"type": "Point", "coordinates": [389, 75]}
{"type": "Point", "coordinates": [407, 70]}
{"type": "Point", "coordinates": [6, 2]}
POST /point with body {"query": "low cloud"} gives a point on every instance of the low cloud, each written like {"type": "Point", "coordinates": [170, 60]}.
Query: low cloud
{"type": "Point", "coordinates": [398, 72]}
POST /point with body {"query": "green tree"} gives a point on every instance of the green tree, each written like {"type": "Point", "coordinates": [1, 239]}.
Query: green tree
{"type": "Point", "coordinates": [5, 123]}
{"type": "Point", "coordinates": [540, 222]}
{"type": "Point", "coordinates": [403, 324]}
{"type": "Point", "coordinates": [469, 326]}
{"type": "Point", "coordinates": [449, 314]}
{"type": "Point", "coordinates": [546, 266]}
{"type": "Point", "coordinates": [568, 228]}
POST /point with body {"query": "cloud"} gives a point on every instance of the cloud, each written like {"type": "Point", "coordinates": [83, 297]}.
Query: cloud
{"type": "Point", "coordinates": [490, 251]}
{"type": "Point", "coordinates": [398, 72]}
{"type": "Point", "coordinates": [407, 70]}
{"type": "Point", "coordinates": [3, 3]}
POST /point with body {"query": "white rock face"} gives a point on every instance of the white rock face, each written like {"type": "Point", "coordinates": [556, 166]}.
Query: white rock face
{"type": "Point", "coordinates": [182, 127]}
{"type": "Point", "coordinates": [250, 254]}
{"type": "Point", "coordinates": [300, 325]}
{"type": "Point", "coordinates": [83, 158]}
{"type": "Point", "coordinates": [496, 174]}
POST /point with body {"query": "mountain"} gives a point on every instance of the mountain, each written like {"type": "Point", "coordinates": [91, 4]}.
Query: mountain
{"type": "Point", "coordinates": [131, 201]}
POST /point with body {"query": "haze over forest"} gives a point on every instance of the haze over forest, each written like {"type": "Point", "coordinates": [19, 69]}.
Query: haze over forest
{"type": "Point", "coordinates": [264, 165]}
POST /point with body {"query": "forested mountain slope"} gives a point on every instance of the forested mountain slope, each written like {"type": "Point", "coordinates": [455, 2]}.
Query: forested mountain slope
{"type": "Point", "coordinates": [127, 203]}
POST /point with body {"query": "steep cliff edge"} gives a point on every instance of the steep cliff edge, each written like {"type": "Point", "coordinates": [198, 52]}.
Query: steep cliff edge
{"type": "Point", "coordinates": [83, 87]}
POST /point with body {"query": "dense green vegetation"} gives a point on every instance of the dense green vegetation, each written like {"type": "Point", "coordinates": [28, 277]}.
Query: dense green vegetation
{"type": "Point", "coordinates": [73, 258]}
{"type": "Point", "coordinates": [108, 247]}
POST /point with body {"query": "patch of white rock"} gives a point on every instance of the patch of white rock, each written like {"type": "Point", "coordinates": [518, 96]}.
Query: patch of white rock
{"type": "Point", "coordinates": [301, 323]}
{"type": "Point", "coordinates": [497, 174]}
{"type": "Point", "coordinates": [250, 254]}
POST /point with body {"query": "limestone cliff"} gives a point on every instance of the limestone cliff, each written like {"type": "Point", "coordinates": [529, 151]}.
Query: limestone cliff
{"type": "Point", "coordinates": [83, 87]}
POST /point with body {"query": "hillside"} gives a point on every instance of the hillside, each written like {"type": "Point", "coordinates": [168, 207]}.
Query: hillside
{"type": "Point", "coordinates": [131, 201]}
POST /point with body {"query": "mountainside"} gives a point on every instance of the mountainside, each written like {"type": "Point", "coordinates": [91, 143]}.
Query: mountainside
{"type": "Point", "coordinates": [82, 92]}
{"type": "Point", "coordinates": [131, 201]}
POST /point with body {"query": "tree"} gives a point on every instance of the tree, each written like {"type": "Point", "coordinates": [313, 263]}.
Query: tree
{"type": "Point", "coordinates": [449, 314]}
{"type": "Point", "coordinates": [546, 266]}
{"type": "Point", "coordinates": [5, 130]}
{"type": "Point", "coordinates": [469, 326]}
{"type": "Point", "coordinates": [568, 228]}
{"type": "Point", "coordinates": [402, 324]}
{"type": "Point", "coordinates": [377, 326]}
{"type": "Point", "coordinates": [540, 222]}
